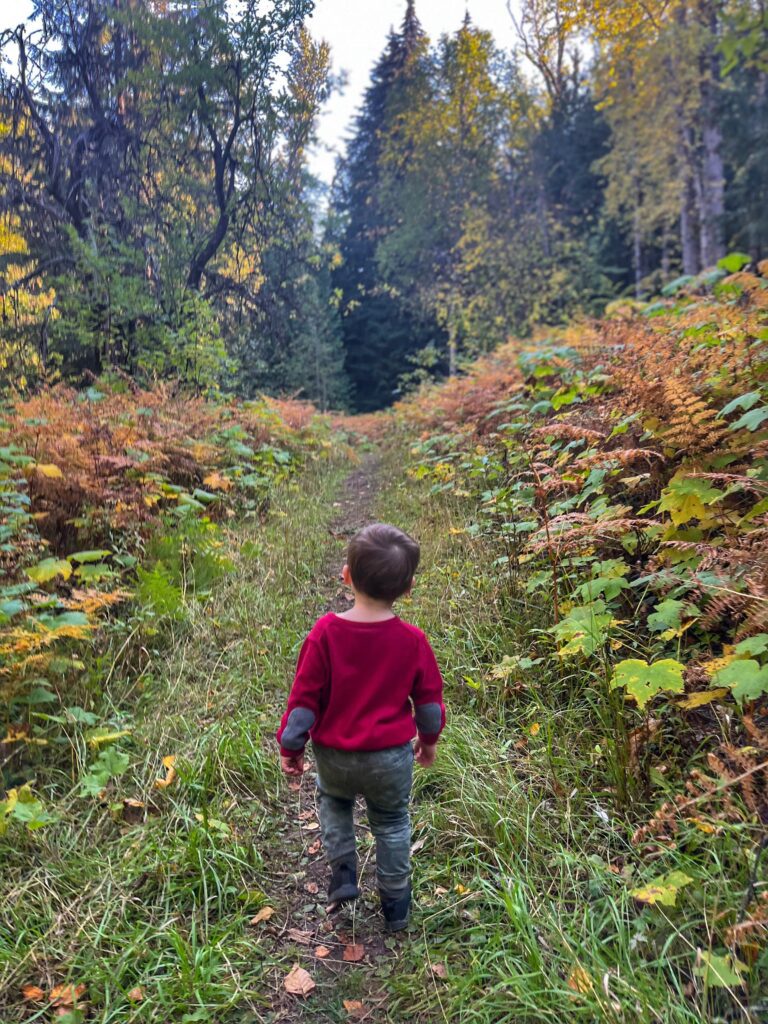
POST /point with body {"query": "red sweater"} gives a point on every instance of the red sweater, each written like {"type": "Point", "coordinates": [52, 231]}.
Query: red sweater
{"type": "Point", "coordinates": [363, 686]}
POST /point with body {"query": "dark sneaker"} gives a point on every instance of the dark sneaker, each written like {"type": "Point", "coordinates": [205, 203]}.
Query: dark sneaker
{"type": "Point", "coordinates": [396, 910]}
{"type": "Point", "coordinates": [343, 885]}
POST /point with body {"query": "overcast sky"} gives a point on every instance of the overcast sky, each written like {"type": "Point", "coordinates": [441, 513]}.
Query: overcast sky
{"type": "Point", "coordinates": [357, 31]}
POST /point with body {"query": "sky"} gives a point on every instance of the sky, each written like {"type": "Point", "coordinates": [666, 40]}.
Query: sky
{"type": "Point", "coordinates": [357, 31]}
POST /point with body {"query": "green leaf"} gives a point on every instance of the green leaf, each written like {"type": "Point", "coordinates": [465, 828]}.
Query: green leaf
{"type": "Point", "coordinates": [91, 573]}
{"type": "Point", "coordinates": [585, 629]}
{"type": "Point", "coordinates": [742, 402]}
{"type": "Point", "coordinates": [78, 714]}
{"type": "Point", "coordinates": [668, 615]}
{"type": "Point", "coordinates": [751, 420]}
{"type": "Point", "coordinates": [48, 569]}
{"type": "Point", "coordinates": [89, 556]}
{"type": "Point", "coordinates": [643, 681]}
{"type": "Point", "coordinates": [753, 645]}
{"type": "Point", "coordinates": [10, 608]}
{"type": "Point", "coordinates": [663, 889]}
{"type": "Point", "coordinates": [746, 679]}
{"type": "Point", "coordinates": [720, 971]}
{"type": "Point", "coordinates": [37, 695]}
{"type": "Point", "coordinates": [734, 261]}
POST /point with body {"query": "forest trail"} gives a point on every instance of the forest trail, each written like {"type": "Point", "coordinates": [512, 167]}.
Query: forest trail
{"type": "Point", "coordinates": [353, 939]}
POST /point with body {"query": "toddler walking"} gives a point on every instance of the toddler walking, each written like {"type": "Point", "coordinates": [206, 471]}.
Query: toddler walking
{"type": "Point", "coordinates": [366, 683]}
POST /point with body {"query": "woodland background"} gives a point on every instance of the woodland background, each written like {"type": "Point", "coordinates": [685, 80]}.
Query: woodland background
{"type": "Point", "coordinates": [159, 218]}
{"type": "Point", "coordinates": [555, 260]}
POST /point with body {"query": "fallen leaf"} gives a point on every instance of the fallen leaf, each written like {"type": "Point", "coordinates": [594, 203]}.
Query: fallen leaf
{"type": "Point", "coordinates": [33, 993]}
{"type": "Point", "coordinates": [295, 786]}
{"type": "Point", "coordinates": [311, 826]}
{"type": "Point", "coordinates": [170, 773]}
{"type": "Point", "coordinates": [461, 889]}
{"type": "Point", "coordinates": [440, 890]}
{"type": "Point", "coordinates": [439, 970]}
{"type": "Point", "coordinates": [306, 815]}
{"type": "Point", "coordinates": [354, 952]}
{"type": "Point", "coordinates": [698, 700]}
{"type": "Point", "coordinates": [263, 915]}
{"type": "Point", "coordinates": [303, 938]}
{"type": "Point", "coordinates": [312, 888]}
{"type": "Point", "coordinates": [355, 1008]}
{"type": "Point", "coordinates": [50, 470]}
{"type": "Point", "coordinates": [314, 848]}
{"type": "Point", "coordinates": [535, 729]}
{"type": "Point", "coordinates": [67, 995]}
{"type": "Point", "coordinates": [579, 980]}
{"type": "Point", "coordinates": [298, 981]}
{"type": "Point", "coordinates": [136, 994]}
{"type": "Point", "coordinates": [322, 952]}
{"type": "Point", "coordinates": [418, 845]}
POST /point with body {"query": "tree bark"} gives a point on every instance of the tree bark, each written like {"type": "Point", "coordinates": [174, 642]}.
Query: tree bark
{"type": "Point", "coordinates": [689, 241]}
{"type": "Point", "coordinates": [711, 193]}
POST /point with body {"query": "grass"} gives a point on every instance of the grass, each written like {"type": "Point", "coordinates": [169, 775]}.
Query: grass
{"type": "Point", "coordinates": [524, 862]}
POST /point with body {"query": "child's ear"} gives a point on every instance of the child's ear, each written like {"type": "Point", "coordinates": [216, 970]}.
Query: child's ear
{"type": "Point", "coordinates": [346, 575]}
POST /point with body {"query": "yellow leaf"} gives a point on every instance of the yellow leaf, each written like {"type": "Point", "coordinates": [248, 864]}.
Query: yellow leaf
{"type": "Point", "coordinates": [535, 729]}
{"type": "Point", "coordinates": [716, 664]}
{"type": "Point", "coordinates": [702, 826]}
{"type": "Point", "coordinates": [697, 700]}
{"type": "Point", "coordinates": [170, 775]}
{"type": "Point", "coordinates": [107, 737]}
{"type": "Point", "coordinates": [50, 470]}
{"type": "Point", "coordinates": [579, 980]}
{"type": "Point", "coordinates": [217, 482]}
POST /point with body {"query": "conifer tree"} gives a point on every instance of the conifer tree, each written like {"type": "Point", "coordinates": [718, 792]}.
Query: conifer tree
{"type": "Point", "coordinates": [379, 330]}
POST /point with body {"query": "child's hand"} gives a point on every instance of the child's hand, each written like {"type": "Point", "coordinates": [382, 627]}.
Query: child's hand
{"type": "Point", "coordinates": [425, 752]}
{"type": "Point", "coordinates": [293, 765]}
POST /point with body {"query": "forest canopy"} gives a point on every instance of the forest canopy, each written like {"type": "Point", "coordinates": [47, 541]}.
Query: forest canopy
{"type": "Point", "coordinates": [159, 217]}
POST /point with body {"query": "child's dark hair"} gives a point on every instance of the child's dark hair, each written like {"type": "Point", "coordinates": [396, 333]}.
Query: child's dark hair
{"type": "Point", "coordinates": [382, 561]}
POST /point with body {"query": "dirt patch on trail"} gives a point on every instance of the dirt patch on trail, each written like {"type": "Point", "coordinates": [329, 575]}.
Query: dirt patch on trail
{"type": "Point", "coordinates": [346, 954]}
{"type": "Point", "coordinates": [354, 508]}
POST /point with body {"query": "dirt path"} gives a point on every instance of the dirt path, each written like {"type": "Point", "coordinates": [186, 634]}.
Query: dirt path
{"type": "Point", "coordinates": [347, 954]}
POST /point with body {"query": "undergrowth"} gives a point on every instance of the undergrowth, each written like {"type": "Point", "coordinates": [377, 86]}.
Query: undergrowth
{"type": "Point", "coordinates": [140, 882]}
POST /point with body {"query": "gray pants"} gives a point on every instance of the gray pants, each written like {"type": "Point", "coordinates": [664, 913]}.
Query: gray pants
{"type": "Point", "coordinates": [384, 779]}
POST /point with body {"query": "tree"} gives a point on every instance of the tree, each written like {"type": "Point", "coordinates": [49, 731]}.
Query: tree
{"type": "Point", "coordinates": [379, 330]}
{"type": "Point", "coordinates": [146, 139]}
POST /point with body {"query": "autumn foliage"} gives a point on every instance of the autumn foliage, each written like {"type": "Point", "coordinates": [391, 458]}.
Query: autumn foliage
{"type": "Point", "coordinates": [620, 468]}
{"type": "Point", "coordinates": [87, 478]}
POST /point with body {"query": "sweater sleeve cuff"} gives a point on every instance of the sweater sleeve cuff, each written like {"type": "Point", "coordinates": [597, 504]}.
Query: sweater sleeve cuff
{"type": "Point", "coordinates": [430, 738]}
{"type": "Point", "coordinates": [285, 752]}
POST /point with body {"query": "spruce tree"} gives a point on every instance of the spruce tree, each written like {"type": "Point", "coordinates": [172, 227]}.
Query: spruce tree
{"type": "Point", "coordinates": [379, 332]}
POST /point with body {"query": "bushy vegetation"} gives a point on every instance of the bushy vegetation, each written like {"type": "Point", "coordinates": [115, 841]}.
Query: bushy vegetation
{"type": "Point", "coordinates": [115, 494]}
{"type": "Point", "coordinates": [613, 482]}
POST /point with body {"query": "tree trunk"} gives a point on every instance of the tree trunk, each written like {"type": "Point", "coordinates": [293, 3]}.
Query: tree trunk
{"type": "Point", "coordinates": [637, 253]}
{"type": "Point", "coordinates": [712, 197]}
{"type": "Point", "coordinates": [689, 242]}
{"type": "Point", "coordinates": [711, 190]}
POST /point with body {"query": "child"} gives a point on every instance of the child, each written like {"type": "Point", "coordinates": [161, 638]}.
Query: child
{"type": "Point", "coordinates": [366, 683]}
